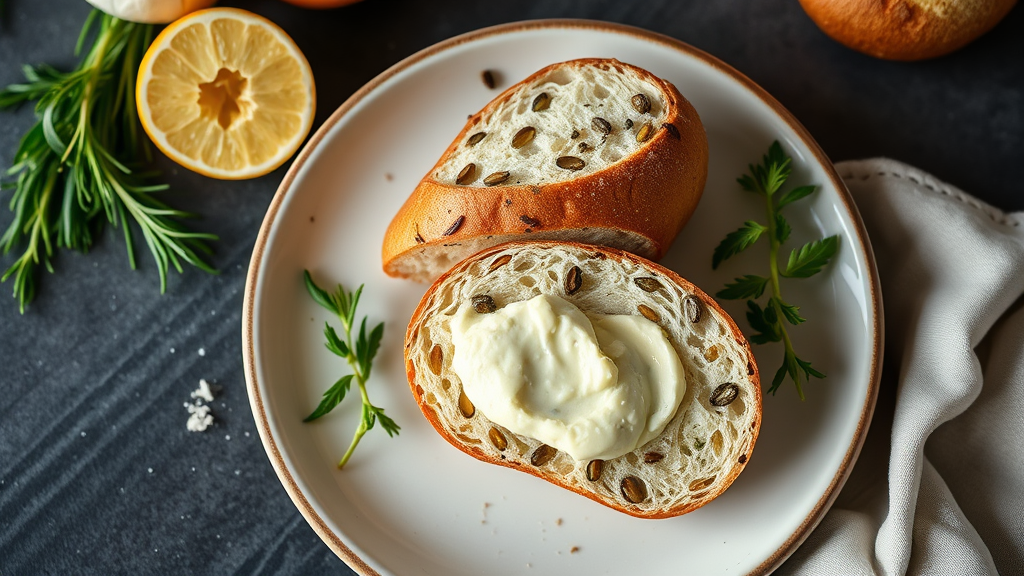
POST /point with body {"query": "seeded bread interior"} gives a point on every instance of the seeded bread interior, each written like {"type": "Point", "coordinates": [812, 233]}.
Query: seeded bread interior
{"type": "Point", "coordinates": [594, 151]}
{"type": "Point", "coordinates": [583, 114]}
{"type": "Point", "coordinates": [702, 449]}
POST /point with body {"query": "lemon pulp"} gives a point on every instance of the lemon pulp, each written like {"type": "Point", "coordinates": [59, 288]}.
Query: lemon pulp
{"type": "Point", "coordinates": [226, 93]}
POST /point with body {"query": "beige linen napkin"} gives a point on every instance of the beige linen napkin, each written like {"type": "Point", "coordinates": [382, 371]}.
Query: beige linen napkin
{"type": "Point", "coordinates": [939, 487]}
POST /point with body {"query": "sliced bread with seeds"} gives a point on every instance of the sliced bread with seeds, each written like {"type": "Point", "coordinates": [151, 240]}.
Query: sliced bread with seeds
{"type": "Point", "coordinates": [707, 435]}
{"type": "Point", "coordinates": [594, 151]}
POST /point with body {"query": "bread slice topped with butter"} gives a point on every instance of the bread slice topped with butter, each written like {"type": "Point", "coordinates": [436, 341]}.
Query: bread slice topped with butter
{"type": "Point", "coordinates": [593, 150]}
{"type": "Point", "coordinates": [590, 367]}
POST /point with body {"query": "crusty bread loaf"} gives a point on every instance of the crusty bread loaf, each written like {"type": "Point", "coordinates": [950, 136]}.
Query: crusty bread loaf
{"type": "Point", "coordinates": [701, 450]}
{"type": "Point", "coordinates": [906, 29]}
{"type": "Point", "coordinates": [593, 151]}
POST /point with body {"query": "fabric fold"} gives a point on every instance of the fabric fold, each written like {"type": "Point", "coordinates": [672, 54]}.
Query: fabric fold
{"type": "Point", "coordinates": [950, 268]}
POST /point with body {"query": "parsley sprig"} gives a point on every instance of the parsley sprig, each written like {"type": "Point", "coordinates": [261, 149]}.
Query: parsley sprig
{"type": "Point", "coordinates": [769, 323]}
{"type": "Point", "coordinates": [76, 167]}
{"type": "Point", "coordinates": [359, 354]}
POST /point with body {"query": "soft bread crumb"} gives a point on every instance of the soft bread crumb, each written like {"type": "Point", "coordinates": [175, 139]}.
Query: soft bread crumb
{"type": "Point", "coordinates": [429, 262]}
{"type": "Point", "coordinates": [200, 418]}
{"type": "Point", "coordinates": [617, 191]}
{"type": "Point", "coordinates": [577, 96]}
{"type": "Point", "coordinates": [701, 446]}
{"type": "Point", "coordinates": [205, 390]}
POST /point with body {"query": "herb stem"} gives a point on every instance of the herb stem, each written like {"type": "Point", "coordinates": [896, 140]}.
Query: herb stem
{"type": "Point", "coordinates": [78, 163]}
{"type": "Point", "coordinates": [351, 357]}
{"type": "Point", "coordinates": [358, 353]}
{"type": "Point", "coordinates": [776, 287]}
{"type": "Point", "coordinates": [769, 323]}
{"type": "Point", "coordinates": [95, 57]}
{"type": "Point", "coordinates": [361, 429]}
{"type": "Point", "coordinates": [40, 217]}
{"type": "Point", "coordinates": [773, 246]}
{"type": "Point", "coordinates": [361, 382]}
{"type": "Point", "coordinates": [355, 442]}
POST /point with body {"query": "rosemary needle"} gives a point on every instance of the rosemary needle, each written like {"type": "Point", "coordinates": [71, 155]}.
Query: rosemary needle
{"type": "Point", "coordinates": [75, 168]}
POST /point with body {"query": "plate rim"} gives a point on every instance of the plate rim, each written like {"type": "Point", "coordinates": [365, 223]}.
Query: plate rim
{"type": "Point", "coordinates": [286, 476]}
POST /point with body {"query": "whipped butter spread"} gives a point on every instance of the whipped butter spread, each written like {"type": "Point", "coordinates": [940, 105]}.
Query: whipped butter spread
{"type": "Point", "coordinates": [594, 386]}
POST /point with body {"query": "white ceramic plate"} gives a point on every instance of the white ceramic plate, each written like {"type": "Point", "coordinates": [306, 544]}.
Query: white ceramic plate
{"type": "Point", "coordinates": [414, 504]}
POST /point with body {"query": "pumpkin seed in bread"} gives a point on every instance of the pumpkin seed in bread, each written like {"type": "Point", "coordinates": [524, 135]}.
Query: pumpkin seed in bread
{"type": "Point", "coordinates": [700, 451]}
{"type": "Point", "coordinates": [594, 151]}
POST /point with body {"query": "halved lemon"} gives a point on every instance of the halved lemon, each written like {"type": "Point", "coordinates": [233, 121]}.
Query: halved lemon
{"type": "Point", "coordinates": [226, 93]}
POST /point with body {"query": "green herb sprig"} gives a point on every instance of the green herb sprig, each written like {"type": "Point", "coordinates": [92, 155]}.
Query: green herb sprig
{"type": "Point", "coordinates": [359, 354]}
{"type": "Point", "coordinates": [75, 166]}
{"type": "Point", "coordinates": [769, 323]}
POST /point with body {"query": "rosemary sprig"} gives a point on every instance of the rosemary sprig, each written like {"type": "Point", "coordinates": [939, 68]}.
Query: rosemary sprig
{"type": "Point", "coordinates": [359, 354]}
{"type": "Point", "coordinates": [767, 179]}
{"type": "Point", "coordinates": [73, 166]}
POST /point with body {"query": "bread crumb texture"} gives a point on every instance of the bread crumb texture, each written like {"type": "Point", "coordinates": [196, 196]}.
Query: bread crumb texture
{"type": "Point", "coordinates": [702, 448]}
{"type": "Point", "coordinates": [587, 114]}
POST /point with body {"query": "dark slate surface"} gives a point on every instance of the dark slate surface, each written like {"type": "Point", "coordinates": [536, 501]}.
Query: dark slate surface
{"type": "Point", "coordinates": [97, 471]}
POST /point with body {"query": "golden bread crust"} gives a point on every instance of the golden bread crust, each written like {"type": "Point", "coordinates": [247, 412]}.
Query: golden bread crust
{"type": "Point", "coordinates": [650, 193]}
{"type": "Point", "coordinates": [906, 29]}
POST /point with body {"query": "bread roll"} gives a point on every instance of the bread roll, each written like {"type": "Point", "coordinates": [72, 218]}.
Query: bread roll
{"type": "Point", "coordinates": [592, 150]}
{"type": "Point", "coordinates": [906, 29]}
{"type": "Point", "coordinates": [704, 446]}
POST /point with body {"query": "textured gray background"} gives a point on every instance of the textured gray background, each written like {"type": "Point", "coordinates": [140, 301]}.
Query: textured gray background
{"type": "Point", "coordinates": [91, 393]}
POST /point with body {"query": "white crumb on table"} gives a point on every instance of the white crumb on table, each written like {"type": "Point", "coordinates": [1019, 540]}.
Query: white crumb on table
{"type": "Point", "coordinates": [199, 417]}
{"type": "Point", "coordinates": [205, 390]}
